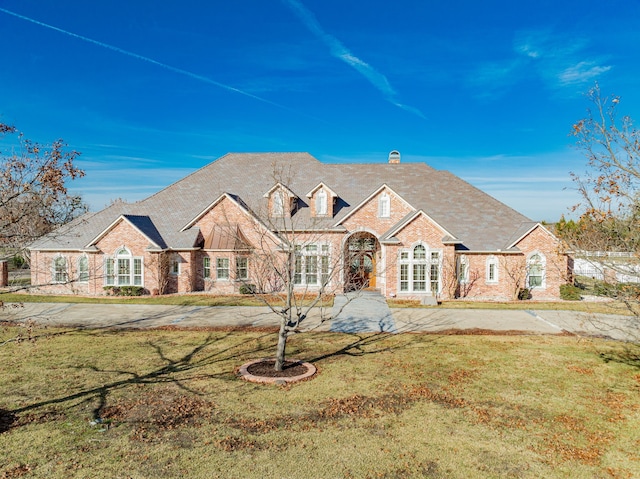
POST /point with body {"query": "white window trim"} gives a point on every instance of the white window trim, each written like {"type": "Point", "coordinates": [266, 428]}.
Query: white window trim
{"type": "Point", "coordinates": [64, 272]}
{"type": "Point", "coordinates": [278, 200]}
{"type": "Point", "coordinates": [238, 277]}
{"type": "Point", "coordinates": [206, 267]}
{"type": "Point", "coordinates": [410, 261]}
{"type": "Point", "coordinates": [492, 260]}
{"type": "Point", "coordinates": [175, 260]}
{"type": "Point", "coordinates": [384, 206]}
{"type": "Point", "coordinates": [303, 253]}
{"type": "Point", "coordinates": [113, 280]}
{"type": "Point", "coordinates": [322, 208]}
{"type": "Point", "coordinates": [543, 265]}
{"type": "Point", "coordinates": [228, 269]}
{"type": "Point", "coordinates": [80, 272]}
{"type": "Point", "coordinates": [462, 269]}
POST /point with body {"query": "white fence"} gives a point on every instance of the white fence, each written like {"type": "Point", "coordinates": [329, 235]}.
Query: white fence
{"type": "Point", "coordinates": [603, 265]}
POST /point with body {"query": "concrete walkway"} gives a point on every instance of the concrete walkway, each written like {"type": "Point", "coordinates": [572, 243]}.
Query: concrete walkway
{"type": "Point", "coordinates": [361, 312]}
{"type": "Point", "coordinates": [365, 313]}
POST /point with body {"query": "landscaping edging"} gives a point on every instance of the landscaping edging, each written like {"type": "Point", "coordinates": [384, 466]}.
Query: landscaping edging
{"type": "Point", "coordinates": [246, 375]}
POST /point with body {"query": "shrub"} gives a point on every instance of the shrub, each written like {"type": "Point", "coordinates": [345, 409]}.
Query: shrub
{"type": "Point", "coordinates": [247, 289]}
{"type": "Point", "coordinates": [601, 288]}
{"type": "Point", "coordinates": [523, 294]}
{"type": "Point", "coordinates": [131, 290]}
{"type": "Point", "coordinates": [124, 290]}
{"type": "Point", "coordinates": [570, 292]}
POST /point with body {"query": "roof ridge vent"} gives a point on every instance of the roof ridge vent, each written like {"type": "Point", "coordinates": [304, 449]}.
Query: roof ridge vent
{"type": "Point", "coordinates": [394, 157]}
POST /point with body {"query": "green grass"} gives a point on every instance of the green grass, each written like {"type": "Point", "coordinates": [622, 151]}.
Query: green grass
{"type": "Point", "coordinates": [171, 300]}
{"type": "Point", "coordinates": [390, 406]}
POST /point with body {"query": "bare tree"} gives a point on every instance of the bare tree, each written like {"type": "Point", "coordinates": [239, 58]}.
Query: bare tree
{"type": "Point", "coordinates": [34, 198]}
{"type": "Point", "coordinates": [609, 220]}
{"type": "Point", "coordinates": [283, 257]}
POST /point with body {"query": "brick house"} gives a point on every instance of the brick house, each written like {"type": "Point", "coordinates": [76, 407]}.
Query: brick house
{"type": "Point", "coordinates": [405, 229]}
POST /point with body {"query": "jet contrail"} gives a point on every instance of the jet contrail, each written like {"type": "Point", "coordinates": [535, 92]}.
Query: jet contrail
{"type": "Point", "coordinates": [155, 62]}
{"type": "Point", "coordinates": [338, 50]}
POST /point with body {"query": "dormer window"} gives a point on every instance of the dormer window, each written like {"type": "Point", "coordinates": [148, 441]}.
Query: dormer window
{"type": "Point", "coordinates": [278, 203]}
{"type": "Point", "coordinates": [384, 206]}
{"type": "Point", "coordinates": [321, 203]}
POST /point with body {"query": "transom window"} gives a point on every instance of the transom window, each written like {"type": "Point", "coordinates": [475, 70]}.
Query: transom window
{"type": "Point", "coordinates": [419, 270]}
{"type": "Point", "coordinates": [123, 269]}
{"type": "Point", "coordinates": [311, 265]}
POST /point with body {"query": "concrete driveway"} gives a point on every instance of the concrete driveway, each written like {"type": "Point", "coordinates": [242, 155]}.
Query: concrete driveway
{"type": "Point", "coordinates": [400, 320]}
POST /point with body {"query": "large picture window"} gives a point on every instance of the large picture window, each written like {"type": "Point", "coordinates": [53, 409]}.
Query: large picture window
{"type": "Point", "coordinates": [312, 265]}
{"type": "Point", "coordinates": [123, 269]}
{"type": "Point", "coordinates": [419, 270]}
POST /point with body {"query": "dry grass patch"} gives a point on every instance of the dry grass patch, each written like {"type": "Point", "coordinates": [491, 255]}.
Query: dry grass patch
{"type": "Point", "coordinates": [165, 403]}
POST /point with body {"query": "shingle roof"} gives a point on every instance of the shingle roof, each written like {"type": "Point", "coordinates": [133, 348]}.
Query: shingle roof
{"type": "Point", "coordinates": [478, 220]}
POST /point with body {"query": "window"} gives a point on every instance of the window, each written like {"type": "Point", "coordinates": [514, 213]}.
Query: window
{"type": "Point", "coordinates": [206, 267]}
{"type": "Point", "coordinates": [434, 273]}
{"type": "Point", "coordinates": [384, 206]}
{"type": "Point", "coordinates": [535, 271]}
{"type": "Point", "coordinates": [222, 268]}
{"type": "Point", "coordinates": [83, 269]}
{"type": "Point", "coordinates": [174, 267]}
{"type": "Point", "coordinates": [416, 273]}
{"type": "Point", "coordinates": [321, 203]}
{"type": "Point", "coordinates": [59, 273]}
{"type": "Point", "coordinates": [123, 269]}
{"type": "Point", "coordinates": [242, 267]}
{"type": "Point", "coordinates": [463, 269]}
{"type": "Point", "coordinates": [278, 203]}
{"type": "Point", "coordinates": [492, 270]}
{"type": "Point", "coordinates": [419, 268]}
{"type": "Point", "coordinates": [311, 265]}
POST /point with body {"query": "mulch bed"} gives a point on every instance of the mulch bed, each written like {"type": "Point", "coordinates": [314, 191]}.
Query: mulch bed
{"type": "Point", "coordinates": [266, 369]}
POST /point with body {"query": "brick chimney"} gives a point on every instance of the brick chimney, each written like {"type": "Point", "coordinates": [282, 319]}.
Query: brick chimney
{"type": "Point", "coordinates": [394, 157]}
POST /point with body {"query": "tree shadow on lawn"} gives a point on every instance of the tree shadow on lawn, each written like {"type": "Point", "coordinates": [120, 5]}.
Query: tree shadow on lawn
{"type": "Point", "coordinates": [166, 374]}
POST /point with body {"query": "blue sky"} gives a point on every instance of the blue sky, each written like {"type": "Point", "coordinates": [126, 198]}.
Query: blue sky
{"type": "Point", "coordinates": [149, 91]}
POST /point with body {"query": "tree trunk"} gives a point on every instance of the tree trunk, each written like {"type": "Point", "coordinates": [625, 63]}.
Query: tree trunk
{"type": "Point", "coordinates": [282, 344]}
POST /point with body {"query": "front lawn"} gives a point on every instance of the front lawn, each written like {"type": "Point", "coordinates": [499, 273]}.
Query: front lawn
{"type": "Point", "coordinates": [167, 403]}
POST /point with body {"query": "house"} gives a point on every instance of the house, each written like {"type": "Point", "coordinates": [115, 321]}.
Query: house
{"type": "Point", "coordinates": [405, 229]}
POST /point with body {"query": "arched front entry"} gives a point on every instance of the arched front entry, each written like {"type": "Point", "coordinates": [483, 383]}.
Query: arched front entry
{"type": "Point", "coordinates": [361, 251]}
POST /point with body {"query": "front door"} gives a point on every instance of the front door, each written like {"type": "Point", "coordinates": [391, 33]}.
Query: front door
{"type": "Point", "coordinates": [361, 265]}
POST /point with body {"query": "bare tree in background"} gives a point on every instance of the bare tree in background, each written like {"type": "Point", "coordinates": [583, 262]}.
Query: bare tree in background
{"type": "Point", "coordinates": [609, 220]}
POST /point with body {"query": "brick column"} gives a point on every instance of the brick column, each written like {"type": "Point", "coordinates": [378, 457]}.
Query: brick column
{"type": "Point", "coordinates": [4, 274]}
